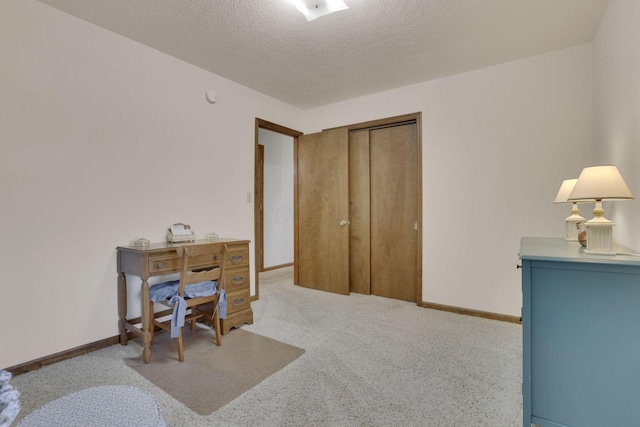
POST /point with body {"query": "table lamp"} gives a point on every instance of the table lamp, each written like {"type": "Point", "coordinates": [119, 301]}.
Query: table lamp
{"type": "Point", "coordinates": [599, 183]}
{"type": "Point", "coordinates": [573, 220]}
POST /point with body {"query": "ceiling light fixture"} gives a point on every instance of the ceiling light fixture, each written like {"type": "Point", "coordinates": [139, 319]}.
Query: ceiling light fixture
{"type": "Point", "coordinates": [313, 9]}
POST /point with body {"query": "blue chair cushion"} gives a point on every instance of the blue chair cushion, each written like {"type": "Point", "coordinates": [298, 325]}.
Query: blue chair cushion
{"type": "Point", "coordinates": [168, 291]}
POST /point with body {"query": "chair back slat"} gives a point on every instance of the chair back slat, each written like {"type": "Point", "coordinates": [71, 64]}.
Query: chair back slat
{"type": "Point", "coordinates": [200, 276]}
{"type": "Point", "coordinates": [188, 277]}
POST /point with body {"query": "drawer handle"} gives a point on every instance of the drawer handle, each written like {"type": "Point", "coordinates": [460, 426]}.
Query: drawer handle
{"type": "Point", "coordinates": [237, 258]}
{"type": "Point", "coordinates": [160, 264]}
{"type": "Point", "coordinates": [237, 280]}
{"type": "Point", "coordinates": [216, 257]}
{"type": "Point", "coordinates": [238, 301]}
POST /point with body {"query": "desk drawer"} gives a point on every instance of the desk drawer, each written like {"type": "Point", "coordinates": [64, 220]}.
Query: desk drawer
{"type": "Point", "coordinates": [236, 279]}
{"type": "Point", "coordinates": [170, 262]}
{"type": "Point", "coordinates": [237, 256]}
{"type": "Point", "coordinates": [237, 301]}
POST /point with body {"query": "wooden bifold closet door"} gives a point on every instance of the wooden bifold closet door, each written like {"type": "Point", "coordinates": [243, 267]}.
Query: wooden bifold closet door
{"type": "Point", "coordinates": [358, 211]}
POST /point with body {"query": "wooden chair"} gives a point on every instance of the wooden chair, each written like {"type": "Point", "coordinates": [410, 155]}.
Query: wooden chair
{"type": "Point", "coordinates": [194, 288]}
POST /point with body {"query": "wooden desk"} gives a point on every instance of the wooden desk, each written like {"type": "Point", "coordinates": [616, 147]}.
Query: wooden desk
{"type": "Point", "coordinates": [162, 259]}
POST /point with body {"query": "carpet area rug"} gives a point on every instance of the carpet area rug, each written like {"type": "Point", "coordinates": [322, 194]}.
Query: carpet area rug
{"type": "Point", "coordinates": [212, 376]}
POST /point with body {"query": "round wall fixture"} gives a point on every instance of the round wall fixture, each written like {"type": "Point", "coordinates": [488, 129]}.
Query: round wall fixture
{"type": "Point", "coordinates": [212, 96]}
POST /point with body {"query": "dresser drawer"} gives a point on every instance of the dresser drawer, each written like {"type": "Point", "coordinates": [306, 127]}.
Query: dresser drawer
{"type": "Point", "coordinates": [237, 256]}
{"type": "Point", "coordinates": [170, 262]}
{"type": "Point", "coordinates": [237, 301]}
{"type": "Point", "coordinates": [164, 263]}
{"type": "Point", "coordinates": [236, 279]}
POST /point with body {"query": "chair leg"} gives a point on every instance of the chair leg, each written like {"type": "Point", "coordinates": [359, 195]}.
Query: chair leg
{"type": "Point", "coordinates": [194, 311]}
{"type": "Point", "coordinates": [216, 322]}
{"type": "Point", "coordinates": [180, 348]}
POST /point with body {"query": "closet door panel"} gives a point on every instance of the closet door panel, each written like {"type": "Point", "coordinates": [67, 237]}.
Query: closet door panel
{"type": "Point", "coordinates": [360, 230]}
{"type": "Point", "coordinates": [323, 202]}
{"type": "Point", "coordinates": [394, 211]}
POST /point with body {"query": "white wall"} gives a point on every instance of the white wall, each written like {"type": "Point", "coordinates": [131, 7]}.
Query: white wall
{"type": "Point", "coordinates": [617, 110]}
{"type": "Point", "coordinates": [496, 145]}
{"type": "Point", "coordinates": [278, 197]}
{"type": "Point", "coordinates": [105, 140]}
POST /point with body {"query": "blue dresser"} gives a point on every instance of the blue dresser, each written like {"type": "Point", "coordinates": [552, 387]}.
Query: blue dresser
{"type": "Point", "coordinates": [581, 336]}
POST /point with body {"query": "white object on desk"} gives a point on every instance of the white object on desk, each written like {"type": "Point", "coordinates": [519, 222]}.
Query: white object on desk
{"type": "Point", "coordinates": [141, 243]}
{"type": "Point", "coordinates": [180, 233]}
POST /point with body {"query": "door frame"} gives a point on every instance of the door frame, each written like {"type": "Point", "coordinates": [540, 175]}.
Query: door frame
{"type": "Point", "coordinates": [258, 211]}
{"type": "Point", "coordinates": [259, 201]}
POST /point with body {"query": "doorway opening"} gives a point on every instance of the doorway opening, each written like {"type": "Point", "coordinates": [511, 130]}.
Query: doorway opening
{"type": "Point", "coordinates": [274, 197]}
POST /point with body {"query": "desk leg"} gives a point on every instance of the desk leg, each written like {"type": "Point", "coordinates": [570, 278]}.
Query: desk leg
{"type": "Point", "coordinates": [146, 324]}
{"type": "Point", "coordinates": [122, 307]}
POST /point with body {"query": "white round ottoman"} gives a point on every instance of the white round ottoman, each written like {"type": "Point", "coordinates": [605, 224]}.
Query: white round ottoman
{"type": "Point", "coordinates": [104, 406]}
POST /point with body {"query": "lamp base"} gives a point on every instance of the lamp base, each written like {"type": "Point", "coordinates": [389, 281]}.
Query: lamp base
{"type": "Point", "coordinates": [572, 224]}
{"type": "Point", "coordinates": [600, 237]}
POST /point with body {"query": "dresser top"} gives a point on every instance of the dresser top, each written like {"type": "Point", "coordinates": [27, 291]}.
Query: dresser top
{"type": "Point", "coordinates": [560, 249]}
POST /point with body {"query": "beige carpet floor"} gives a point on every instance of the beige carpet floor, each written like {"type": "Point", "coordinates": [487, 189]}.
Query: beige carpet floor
{"type": "Point", "coordinates": [212, 376]}
{"type": "Point", "coordinates": [368, 361]}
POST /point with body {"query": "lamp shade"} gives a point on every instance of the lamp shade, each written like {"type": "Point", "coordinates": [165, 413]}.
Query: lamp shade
{"type": "Point", "coordinates": [565, 189]}
{"type": "Point", "coordinates": [600, 182]}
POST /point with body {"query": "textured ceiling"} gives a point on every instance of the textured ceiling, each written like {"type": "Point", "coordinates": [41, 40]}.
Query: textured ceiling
{"type": "Point", "coordinates": [376, 45]}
